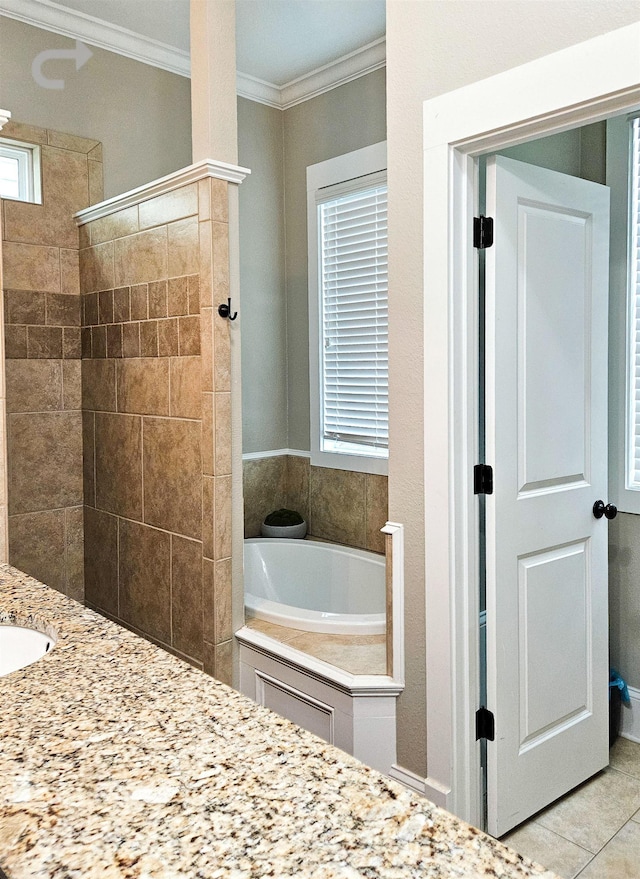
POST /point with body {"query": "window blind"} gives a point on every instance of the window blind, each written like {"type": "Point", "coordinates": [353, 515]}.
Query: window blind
{"type": "Point", "coordinates": [354, 319]}
{"type": "Point", "coordinates": [634, 298]}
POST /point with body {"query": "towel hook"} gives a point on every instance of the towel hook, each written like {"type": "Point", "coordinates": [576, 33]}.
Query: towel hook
{"type": "Point", "coordinates": [224, 310]}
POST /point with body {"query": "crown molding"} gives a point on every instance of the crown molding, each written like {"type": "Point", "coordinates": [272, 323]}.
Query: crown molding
{"type": "Point", "coordinates": [59, 19]}
{"type": "Point", "coordinates": [51, 16]}
{"type": "Point", "coordinates": [198, 171]}
{"type": "Point", "coordinates": [5, 115]}
{"type": "Point", "coordinates": [352, 66]}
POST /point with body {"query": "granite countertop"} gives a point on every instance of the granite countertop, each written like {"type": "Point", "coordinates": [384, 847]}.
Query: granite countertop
{"type": "Point", "coordinates": [119, 760]}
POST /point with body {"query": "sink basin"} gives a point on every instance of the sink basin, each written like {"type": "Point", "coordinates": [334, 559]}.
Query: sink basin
{"type": "Point", "coordinates": [20, 646]}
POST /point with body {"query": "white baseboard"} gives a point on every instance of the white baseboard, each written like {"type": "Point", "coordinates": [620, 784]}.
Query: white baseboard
{"type": "Point", "coordinates": [427, 787]}
{"type": "Point", "coordinates": [630, 725]}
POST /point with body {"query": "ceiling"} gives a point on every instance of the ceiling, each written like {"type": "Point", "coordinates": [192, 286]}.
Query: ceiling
{"type": "Point", "coordinates": [277, 40]}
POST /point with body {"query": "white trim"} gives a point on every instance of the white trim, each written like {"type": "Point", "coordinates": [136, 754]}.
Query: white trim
{"type": "Point", "coordinates": [5, 116]}
{"type": "Point", "coordinates": [352, 66]}
{"type": "Point", "coordinates": [630, 726]}
{"type": "Point", "coordinates": [396, 531]}
{"type": "Point", "coordinates": [190, 174]}
{"type": "Point", "coordinates": [58, 19]}
{"type": "Point", "coordinates": [409, 779]}
{"type": "Point", "coordinates": [275, 453]}
{"type": "Point", "coordinates": [352, 685]}
{"type": "Point", "coordinates": [585, 82]}
{"type": "Point", "coordinates": [78, 25]}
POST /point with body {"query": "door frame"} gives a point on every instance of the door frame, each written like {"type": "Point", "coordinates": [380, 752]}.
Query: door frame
{"type": "Point", "coordinates": [584, 83]}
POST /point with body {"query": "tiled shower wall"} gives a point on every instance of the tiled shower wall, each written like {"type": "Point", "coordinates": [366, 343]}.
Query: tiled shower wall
{"type": "Point", "coordinates": [156, 419]}
{"type": "Point", "coordinates": [338, 505]}
{"type": "Point", "coordinates": [42, 349]}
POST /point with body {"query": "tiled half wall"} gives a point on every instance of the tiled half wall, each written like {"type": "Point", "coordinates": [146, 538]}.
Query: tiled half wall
{"type": "Point", "coordinates": [40, 281]}
{"type": "Point", "coordinates": [338, 505]}
{"type": "Point", "coordinates": [156, 420]}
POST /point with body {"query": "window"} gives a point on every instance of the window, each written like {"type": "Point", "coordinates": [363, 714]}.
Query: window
{"type": "Point", "coordinates": [19, 171]}
{"type": "Point", "coordinates": [347, 203]}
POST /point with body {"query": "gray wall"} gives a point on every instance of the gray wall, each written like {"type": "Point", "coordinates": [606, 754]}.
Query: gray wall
{"type": "Point", "coordinates": [140, 114]}
{"type": "Point", "coordinates": [347, 118]}
{"type": "Point", "coordinates": [278, 146]}
{"type": "Point", "coordinates": [262, 278]}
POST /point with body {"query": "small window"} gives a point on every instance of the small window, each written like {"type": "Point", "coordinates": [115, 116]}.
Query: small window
{"type": "Point", "coordinates": [348, 311]}
{"type": "Point", "coordinates": [19, 171]}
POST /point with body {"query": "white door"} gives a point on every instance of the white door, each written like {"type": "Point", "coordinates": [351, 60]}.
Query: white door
{"type": "Point", "coordinates": [546, 437]}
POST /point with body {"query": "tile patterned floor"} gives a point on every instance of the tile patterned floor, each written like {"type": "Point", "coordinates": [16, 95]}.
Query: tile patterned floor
{"type": "Point", "coordinates": [593, 832]}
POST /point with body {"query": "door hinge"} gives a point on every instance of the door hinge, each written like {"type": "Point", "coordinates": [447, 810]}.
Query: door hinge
{"type": "Point", "coordinates": [483, 479]}
{"type": "Point", "coordinates": [485, 724]}
{"type": "Point", "coordinates": [482, 232]}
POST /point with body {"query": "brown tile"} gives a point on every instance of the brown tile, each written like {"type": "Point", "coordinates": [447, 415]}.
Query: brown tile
{"type": "Point", "coordinates": [223, 622]}
{"type": "Point", "coordinates": [185, 387]}
{"type": "Point", "coordinates": [170, 206]}
{"type": "Point", "coordinates": [72, 384]}
{"type": "Point", "coordinates": [208, 434]}
{"type": "Point", "coordinates": [45, 461]}
{"type": "Point", "coordinates": [143, 386]}
{"type": "Point", "coordinates": [208, 601]}
{"type": "Point", "coordinates": [173, 475]}
{"type": "Point", "coordinates": [220, 287]}
{"type": "Point", "coordinates": [206, 348]}
{"type": "Point", "coordinates": [101, 560]}
{"type": "Point", "coordinates": [205, 264]}
{"type": "Point", "coordinates": [105, 307]}
{"type": "Point", "coordinates": [149, 338]}
{"type": "Point", "coordinates": [85, 342]}
{"type": "Point", "coordinates": [63, 310]}
{"type": "Point", "coordinates": [221, 353]}
{"type": "Point", "coordinates": [96, 152]}
{"type": "Point", "coordinates": [264, 486]}
{"type": "Point", "coordinates": [118, 447]}
{"type": "Point", "coordinates": [121, 309]}
{"type": "Point", "coordinates": [168, 337]}
{"type": "Point", "coordinates": [222, 421]}
{"type": "Point", "coordinates": [33, 385]}
{"type": "Point", "coordinates": [96, 182]}
{"type": "Point", "coordinates": [219, 200]}
{"type": "Point", "coordinates": [186, 596]}
{"type": "Point", "coordinates": [178, 296]}
{"type": "Point", "coordinates": [337, 499]}
{"type": "Point", "coordinates": [71, 343]}
{"type": "Point", "coordinates": [224, 667]}
{"type": "Point", "coordinates": [543, 846]}
{"type": "Point", "coordinates": [619, 858]}
{"type": "Point", "coordinates": [131, 340]}
{"type": "Point", "coordinates": [124, 222]}
{"type": "Point", "coordinates": [97, 268]}
{"type": "Point", "coordinates": [88, 458]}
{"type": "Point", "coordinates": [204, 199]}
{"type": "Point", "coordinates": [158, 299]}
{"type": "Point", "coordinates": [70, 272]}
{"type": "Point", "coordinates": [44, 342]}
{"type": "Point", "coordinates": [71, 142]}
{"type": "Point", "coordinates": [15, 341]}
{"type": "Point", "coordinates": [183, 247]}
{"type": "Point", "coordinates": [99, 341]}
{"type": "Point", "coordinates": [222, 517]}
{"type": "Point", "coordinates": [357, 654]}
{"type": "Point", "coordinates": [26, 307]}
{"type": "Point", "coordinates": [145, 579]}
{"type": "Point", "coordinates": [89, 309]}
{"type": "Point", "coordinates": [297, 485]}
{"type": "Point", "coordinates": [36, 546]}
{"type": "Point", "coordinates": [208, 504]}
{"type": "Point", "coordinates": [84, 239]}
{"type": "Point", "coordinates": [139, 302]}
{"type": "Point", "coordinates": [189, 333]}
{"type": "Point", "coordinates": [114, 340]}
{"type": "Point", "coordinates": [21, 131]}
{"type": "Point", "coordinates": [194, 294]}
{"type": "Point", "coordinates": [377, 511]}
{"type": "Point", "coordinates": [74, 553]}
{"type": "Point", "coordinates": [141, 257]}
{"type": "Point", "coordinates": [99, 385]}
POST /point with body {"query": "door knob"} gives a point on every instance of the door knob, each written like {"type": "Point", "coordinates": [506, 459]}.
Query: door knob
{"type": "Point", "coordinates": [609, 511]}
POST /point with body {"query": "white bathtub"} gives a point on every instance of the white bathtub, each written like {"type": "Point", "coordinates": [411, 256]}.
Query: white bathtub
{"type": "Point", "coordinates": [314, 586]}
